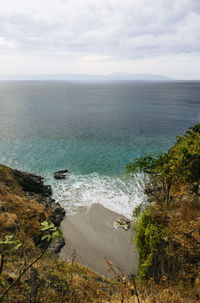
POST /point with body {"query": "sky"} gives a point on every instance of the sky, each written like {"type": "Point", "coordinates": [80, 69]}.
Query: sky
{"type": "Point", "coordinates": [100, 37]}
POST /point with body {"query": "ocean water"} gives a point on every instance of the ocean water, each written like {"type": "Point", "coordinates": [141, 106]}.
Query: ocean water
{"type": "Point", "coordinates": [93, 130]}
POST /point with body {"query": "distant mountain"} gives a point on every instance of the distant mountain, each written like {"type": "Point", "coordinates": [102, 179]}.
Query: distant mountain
{"type": "Point", "coordinates": [84, 77]}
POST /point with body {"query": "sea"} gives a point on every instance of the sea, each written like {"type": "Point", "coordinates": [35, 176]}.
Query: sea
{"type": "Point", "coordinates": [93, 129]}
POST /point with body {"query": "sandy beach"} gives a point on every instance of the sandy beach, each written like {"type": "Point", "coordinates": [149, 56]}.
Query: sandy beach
{"type": "Point", "coordinates": [92, 234]}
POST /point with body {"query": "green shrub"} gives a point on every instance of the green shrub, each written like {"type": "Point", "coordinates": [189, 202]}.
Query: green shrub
{"type": "Point", "coordinates": [138, 210]}
{"type": "Point", "coordinates": [148, 237]}
{"type": "Point", "coordinates": [182, 162]}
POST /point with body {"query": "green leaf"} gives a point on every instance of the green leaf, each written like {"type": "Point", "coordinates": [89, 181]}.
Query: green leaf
{"type": "Point", "coordinates": [18, 246]}
{"type": "Point", "coordinates": [45, 236]}
{"type": "Point", "coordinates": [56, 234]}
{"type": "Point", "coordinates": [47, 226]}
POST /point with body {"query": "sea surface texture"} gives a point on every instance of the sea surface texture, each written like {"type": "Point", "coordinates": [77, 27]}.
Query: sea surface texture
{"type": "Point", "coordinates": [93, 130]}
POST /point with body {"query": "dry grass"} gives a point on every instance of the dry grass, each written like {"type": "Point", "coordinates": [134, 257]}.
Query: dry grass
{"type": "Point", "coordinates": [178, 256]}
{"type": "Point", "coordinates": [18, 214]}
{"type": "Point", "coordinates": [53, 280]}
{"type": "Point", "coordinates": [50, 279]}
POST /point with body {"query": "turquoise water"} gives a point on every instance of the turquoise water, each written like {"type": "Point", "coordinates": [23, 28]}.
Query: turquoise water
{"type": "Point", "coordinates": [92, 129]}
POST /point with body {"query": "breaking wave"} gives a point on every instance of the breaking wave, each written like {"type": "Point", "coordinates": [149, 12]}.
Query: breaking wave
{"type": "Point", "coordinates": [120, 194]}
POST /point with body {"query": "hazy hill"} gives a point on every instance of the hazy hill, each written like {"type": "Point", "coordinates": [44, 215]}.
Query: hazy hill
{"type": "Point", "coordinates": [85, 77]}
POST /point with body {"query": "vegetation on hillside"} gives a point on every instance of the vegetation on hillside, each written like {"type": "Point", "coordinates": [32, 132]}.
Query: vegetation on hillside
{"type": "Point", "coordinates": [167, 238]}
{"type": "Point", "coordinates": [168, 230]}
{"type": "Point", "coordinates": [29, 272]}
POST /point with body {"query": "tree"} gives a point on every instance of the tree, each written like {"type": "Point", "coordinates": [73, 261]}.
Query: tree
{"type": "Point", "coordinates": [182, 162]}
{"type": "Point", "coordinates": [156, 167]}
{"type": "Point", "coordinates": [185, 158]}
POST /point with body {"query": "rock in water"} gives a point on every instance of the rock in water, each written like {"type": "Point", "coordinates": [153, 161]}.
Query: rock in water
{"type": "Point", "coordinates": [61, 174]}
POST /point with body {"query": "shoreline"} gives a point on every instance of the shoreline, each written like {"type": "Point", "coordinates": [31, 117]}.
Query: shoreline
{"type": "Point", "coordinates": [92, 235]}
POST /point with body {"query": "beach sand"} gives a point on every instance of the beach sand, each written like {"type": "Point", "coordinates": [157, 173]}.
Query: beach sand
{"type": "Point", "coordinates": [92, 234]}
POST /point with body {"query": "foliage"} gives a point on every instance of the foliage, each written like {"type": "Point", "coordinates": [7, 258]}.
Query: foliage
{"type": "Point", "coordinates": [51, 232]}
{"type": "Point", "coordinates": [156, 166]}
{"type": "Point", "coordinates": [147, 164]}
{"type": "Point", "coordinates": [9, 242]}
{"type": "Point", "coordinates": [181, 162]}
{"type": "Point", "coordinates": [164, 239]}
{"type": "Point", "coordinates": [193, 129]}
{"type": "Point", "coordinates": [138, 210]}
{"type": "Point", "coordinates": [147, 239]}
{"type": "Point", "coordinates": [6, 246]}
{"type": "Point", "coordinates": [185, 156]}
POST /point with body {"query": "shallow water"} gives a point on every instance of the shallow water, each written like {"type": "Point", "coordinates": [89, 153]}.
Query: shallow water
{"type": "Point", "coordinates": [92, 129]}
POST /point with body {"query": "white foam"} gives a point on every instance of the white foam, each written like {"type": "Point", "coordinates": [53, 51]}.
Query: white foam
{"type": "Point", "coordinates": [118, 194]}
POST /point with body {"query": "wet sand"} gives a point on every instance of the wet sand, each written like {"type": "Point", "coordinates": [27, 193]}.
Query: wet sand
{"type": "Point", "coordinates": [92, 234]}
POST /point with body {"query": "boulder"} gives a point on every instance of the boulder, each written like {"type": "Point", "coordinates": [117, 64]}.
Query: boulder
{"type": "Point", "coordinates": [122, 222]}
{"type": "Point", "coordinates": [61, 174]}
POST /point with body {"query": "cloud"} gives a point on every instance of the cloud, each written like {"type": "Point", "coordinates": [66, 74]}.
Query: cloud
{"type": "Point", "coordinates": [111, 29]}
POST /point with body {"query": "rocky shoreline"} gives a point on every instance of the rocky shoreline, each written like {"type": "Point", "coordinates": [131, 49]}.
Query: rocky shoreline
{"type": "Point", "coordinates": [28, 189]}
{"type": "Point", "coordinates": [95, 233]}
{"type": "Point", "coordinates": [30, 270]}
{"type": "Point", "coordinates": [34, 189]}
{"type": "Point", "coordinates": [97, 223]}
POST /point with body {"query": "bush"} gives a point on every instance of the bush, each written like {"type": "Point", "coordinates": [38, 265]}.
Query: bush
{"type": "Point", "coordinates": [148, 237]}
{"type": "Point", "coordinates": [182, 162]}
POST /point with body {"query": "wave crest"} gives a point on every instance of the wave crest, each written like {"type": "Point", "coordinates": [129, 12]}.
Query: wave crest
{"type": "Point", "coordinates": [116, 193]}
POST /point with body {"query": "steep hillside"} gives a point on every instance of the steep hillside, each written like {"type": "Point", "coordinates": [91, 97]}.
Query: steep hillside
{"type": "Point", "coordinates": [167, 238]}
{"type": "Point", "coordinates": [29, 272]}
{"type": "Point", "coordinates": [168, 230]}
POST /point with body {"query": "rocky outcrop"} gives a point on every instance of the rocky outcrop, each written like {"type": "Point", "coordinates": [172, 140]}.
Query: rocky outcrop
{"type": "Point", "coordinates": [56, 245]}
{"type": "Point", "coordinates": [34, 189]}
{"type": "Point", "coordinates": [32, 183]}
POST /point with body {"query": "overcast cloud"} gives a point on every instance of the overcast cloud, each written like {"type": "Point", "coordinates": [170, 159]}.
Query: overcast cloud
{"type": "Point", "coordinates": [100, 36]}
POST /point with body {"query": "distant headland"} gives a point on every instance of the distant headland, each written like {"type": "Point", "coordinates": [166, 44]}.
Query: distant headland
{"type": "Point", "coordinates": [87, 77]}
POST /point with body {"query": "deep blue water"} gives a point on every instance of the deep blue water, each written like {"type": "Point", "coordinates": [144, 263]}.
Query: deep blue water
{"type": "Point", "coordinates": [92, 129]}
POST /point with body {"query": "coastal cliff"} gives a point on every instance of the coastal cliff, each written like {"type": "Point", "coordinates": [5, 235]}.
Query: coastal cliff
{"type": "Point", "coordinates": [167, 231]}
{"type": "Point", "coordinates": [25, 202]}
{"type": "Point", "coordinates": [30, 271]}
{"type": "Point", "coordinates": [168, 225]}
